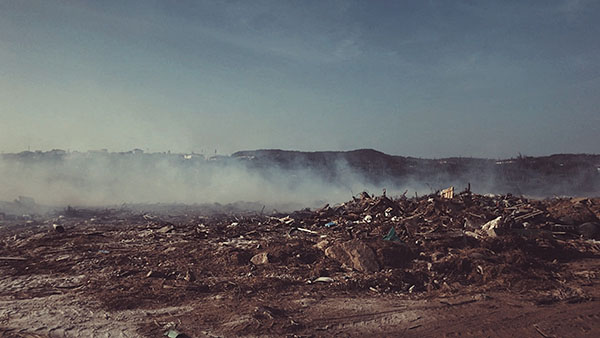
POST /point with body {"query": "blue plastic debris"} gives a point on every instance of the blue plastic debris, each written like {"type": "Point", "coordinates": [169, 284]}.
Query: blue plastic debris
{"type": "Point", "coordinates": [391, 235]}
{"type": "Point", "coordinates": [330, 224]}
{"type": "Point", "coordinates": [175, 334]}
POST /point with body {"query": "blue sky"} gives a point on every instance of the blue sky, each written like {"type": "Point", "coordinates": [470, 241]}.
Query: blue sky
{"type": "Point", "coordinates": [417, 78]}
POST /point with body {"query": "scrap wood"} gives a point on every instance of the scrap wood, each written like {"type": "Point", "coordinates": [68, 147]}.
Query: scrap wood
{"type": "Point", "coordinates": [413, 216]}
{"type": "Point", "coordinates": [530, 215]}
{"type": "Point", "coordinates": [447, 193]}
{"type": "Point", "coordinates": [7, 258]}
{"type": "Point", "coordinates": [537, 328]}
{"type": "Point", "coordinates": [475, 215]}
{"type": "Point", "coordinates": [473, 234]}
{"type": "Point", "coordinates": [308, 230]}
{"type": "Point", "coordinates": [408, 231]}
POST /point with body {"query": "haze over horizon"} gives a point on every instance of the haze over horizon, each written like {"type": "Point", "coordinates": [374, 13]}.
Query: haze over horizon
{"type": "Point", "coordinates": [427, 79]}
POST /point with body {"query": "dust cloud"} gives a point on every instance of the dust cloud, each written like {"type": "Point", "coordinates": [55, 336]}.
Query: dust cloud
{"type": "Point", "coordinates": [284, 180]}
{"type": "Point", "coordinates": [103, 179]}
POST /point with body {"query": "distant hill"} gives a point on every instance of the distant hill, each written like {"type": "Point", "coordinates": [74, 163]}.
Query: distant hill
{"type": "Point", "coordinates": [560, 174]}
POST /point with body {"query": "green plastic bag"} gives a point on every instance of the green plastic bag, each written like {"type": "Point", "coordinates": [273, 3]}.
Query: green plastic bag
{"type": "Point", "coordinates": [391, 235]}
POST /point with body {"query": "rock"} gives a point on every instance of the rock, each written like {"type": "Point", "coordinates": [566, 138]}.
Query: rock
{"type": "Point", "coordinates": [338, 253]}
{"type": "Point", "coordinates": [354, 254]}
{"type": "Point", "coordinates": [240, 257]}
{"type": "Point", "coordinates": [322, 245]}
{"type": "Point", "coordinates": [572, 212]}
{"type": "Point", "coordinates": [166, 229]}
{"type": "Point", "coordinates": [261, 258]}
{"type": "Point", "coordinates": [393, 254]}
{"type": "Point", "coordinates": [590, 230]}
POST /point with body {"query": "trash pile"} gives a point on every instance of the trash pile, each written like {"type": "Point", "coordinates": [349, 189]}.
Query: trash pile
{"type": "Point", "coordinates": [446, 241]}
{"type": "Point", "coordinates": [430, 245]}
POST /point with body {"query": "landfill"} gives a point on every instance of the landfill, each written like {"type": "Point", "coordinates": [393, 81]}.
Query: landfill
{"type": "Point", "coordinates": [372, 265]}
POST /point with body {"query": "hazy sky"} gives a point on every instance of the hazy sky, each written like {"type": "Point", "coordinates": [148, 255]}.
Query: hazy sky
{"type": "Point", "coordinates": [417, 78]}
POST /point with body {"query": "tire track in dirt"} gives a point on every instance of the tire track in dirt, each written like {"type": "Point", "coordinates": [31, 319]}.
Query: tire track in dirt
{"type": "Point", "coordinates": [500, 316]}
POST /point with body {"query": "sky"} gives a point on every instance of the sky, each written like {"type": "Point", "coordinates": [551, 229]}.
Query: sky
{"type": "Point", "coordinates": [414, 78]}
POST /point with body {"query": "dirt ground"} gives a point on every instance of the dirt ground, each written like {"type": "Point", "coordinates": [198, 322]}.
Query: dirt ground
{"type": "Point", "coordinates": [466, 265]}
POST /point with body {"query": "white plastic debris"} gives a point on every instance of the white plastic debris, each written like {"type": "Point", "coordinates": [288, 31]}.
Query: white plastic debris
{"type": "Point", "coordinates": [388, 212]}
{"type": "Point", "coordinates": [493, 224]}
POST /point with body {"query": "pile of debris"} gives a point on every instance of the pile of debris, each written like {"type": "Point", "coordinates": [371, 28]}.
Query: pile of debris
{"type": "Point", "coordinates": [434, 245]}
{"type": "Point", "coordinates": [449, 241]}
